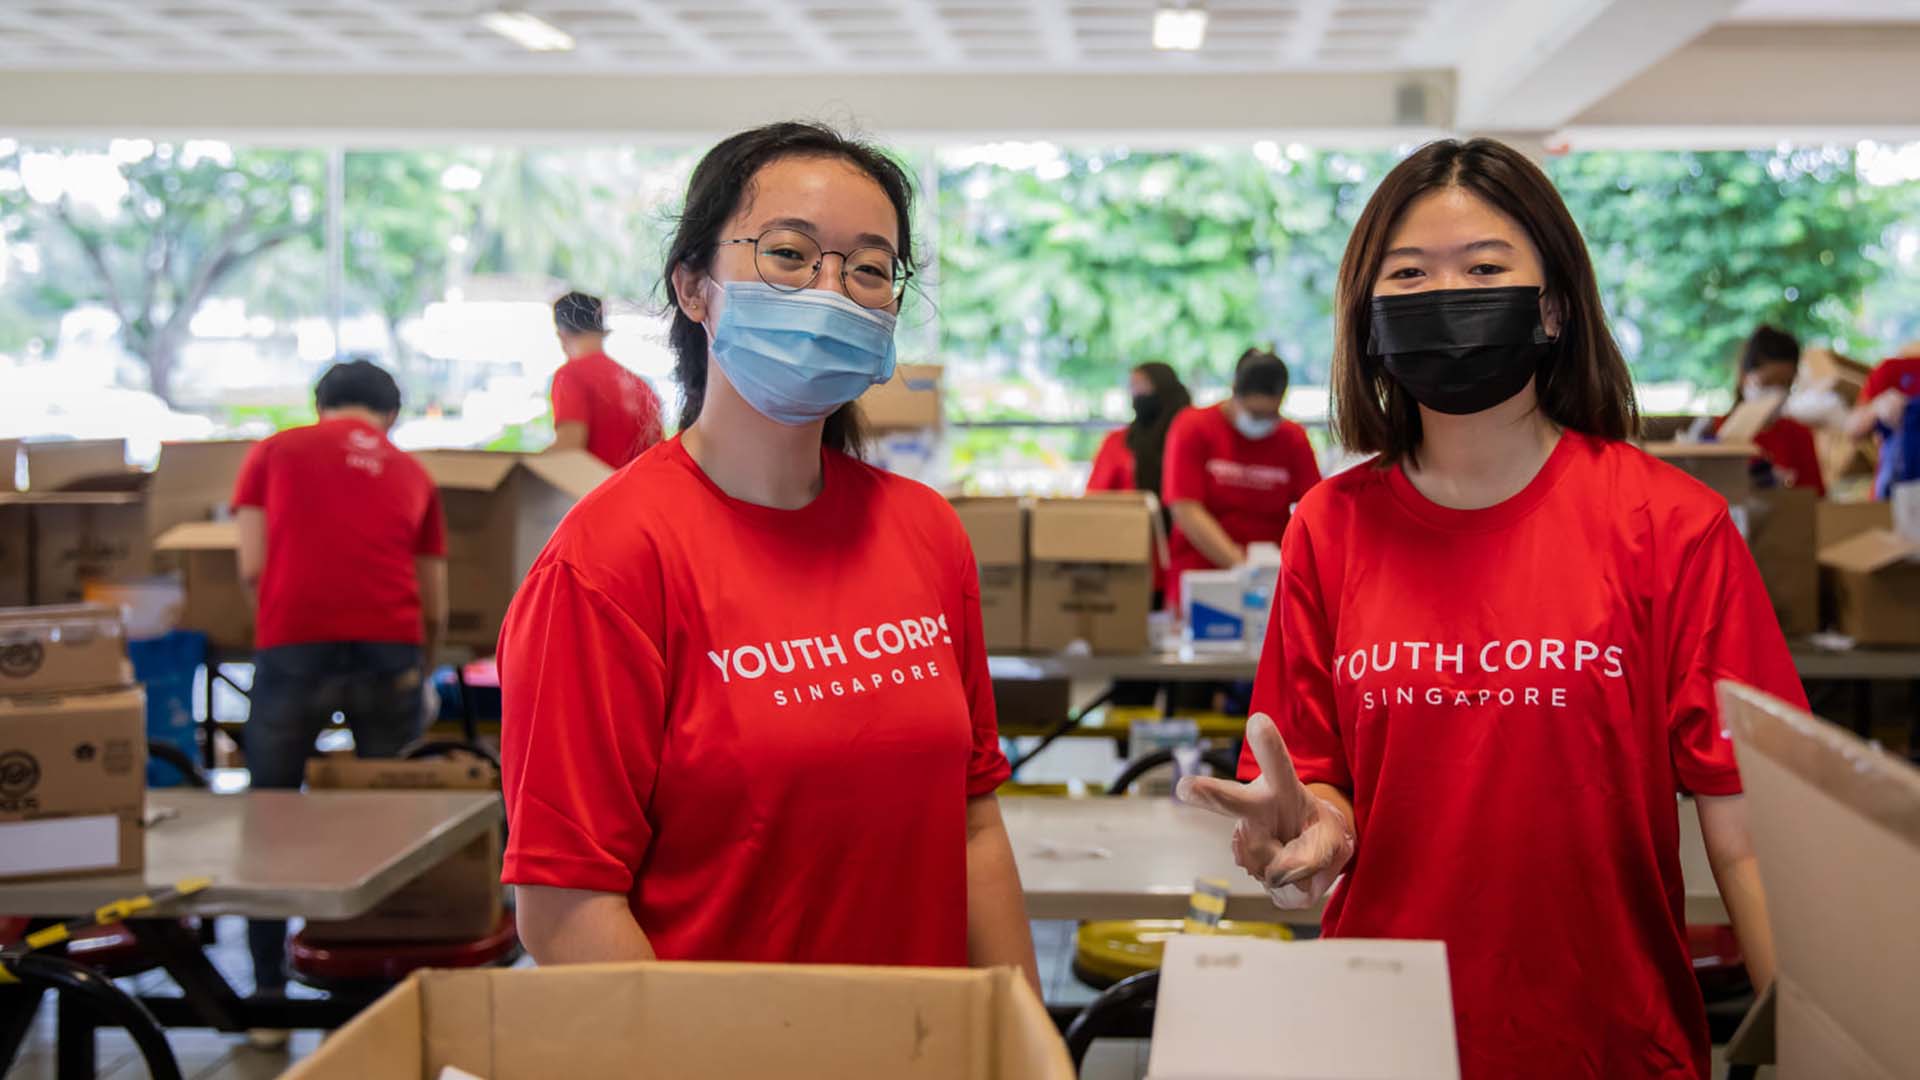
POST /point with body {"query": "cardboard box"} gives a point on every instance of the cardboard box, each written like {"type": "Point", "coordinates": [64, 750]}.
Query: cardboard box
{"type": "Point", "coordinates": [1836, 829]}
{"type": "Point", "coordinates": [1726, 467]}
{"type": "Point", "coordinates": [16, 565]}
{"type": "Point", "coordinates": [909, 401]}
{"type": "Point", "coordinates": [700, 1022]}
{"type": "Point", "coordinates": [217, 603]}
{"type": "Point", "coordinates": [1876, 588]}
{"type": "Point", "coordinates": [51, 466]}
{"type": "Point", "coordinates": [997, 528]}
{"type": "Point", "coordinates": [73, 781]}
{"type": "Point", "coordinates": [9, 464]}
{"type": "Point", "coordinates": [1824, 367]}
{"type": "Point", "coordinates": [58, 650]}
{"type": "Point", "coordinates": [501, 511]}
{"type": "Point", "coordinates": [1091, 576]}
{"type": "Point", "coordinates": [80, 538]}
{"type": "Point", "coordinates": [1837, 521]}
{"type": "Point", "coordinates": [1030, 704]}
{"type": "Point", "coordinates": [458, 900]}
{"type": "Point", "coordinates": [1240, 1008]}
{"type": "Point", "coordinates": [193, 482]}
{"type": "Point", "coordinates": [1781, 531]}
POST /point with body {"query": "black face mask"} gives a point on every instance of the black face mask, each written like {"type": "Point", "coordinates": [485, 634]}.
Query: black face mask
{"type": "Point", "coordinates": [1460, 351]}
{"type": "Point", "coordinates": [1146, 408]}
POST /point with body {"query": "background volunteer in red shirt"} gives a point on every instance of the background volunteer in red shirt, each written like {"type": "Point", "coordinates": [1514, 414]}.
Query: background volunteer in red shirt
{"type": "Point", "coordinates": [1130, 459]}
{"type": "Point", "coordinates": [747, 710]}
{"type": "Point", "coordinates": [1234, 471]}
{"type": "Point", "coordinates": [598, 406]}
{"type": "Point", "coordinates": [1768, 363]}
{"type": "Point", "coordinates": [1495, 647]}
{"type": "Point", "coordinates": [1883, 410]}
{"type": "Point", "coordinates": [344, 545]}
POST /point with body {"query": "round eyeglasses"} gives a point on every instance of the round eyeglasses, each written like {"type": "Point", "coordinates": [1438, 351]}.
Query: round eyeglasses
{"type": "Point", "coordinates": [790, 261]}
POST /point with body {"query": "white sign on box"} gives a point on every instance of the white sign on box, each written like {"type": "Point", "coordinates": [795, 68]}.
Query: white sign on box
{"type": "Point", "coordinates": [1245, 1009]}
{"type": "Point", "coordinates": [1906, 509]}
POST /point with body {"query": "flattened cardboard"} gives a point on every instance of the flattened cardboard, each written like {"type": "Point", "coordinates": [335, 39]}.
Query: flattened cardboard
{"type": "Point", "coordinates": [997, 528]}
{"type": "Point", "coordinates": [1836, 829]}
{"type": "Point", "coordinates": [700, 1022]}
{"type": "Point", "coordinates": [910, 401]}
{"type": "Point", "coordinates": [1876, 588]}
{"type": "Point", "coordinates": [457, 900]}
{"type": "Point", "coordinates": [62, 649]}
{"type": "Point", "coordinates": [217, 602]}
{"type": "Point", "coordinates": [1782, 535]}
{"type": "Point", "coordinates": [193, 482]}
{"type": "Point", "coordinates": [51, 466]}
{"type": "Point", "coordinates": [1726, 466]}
{"type": "Point", "coordinates": [1240, 1008]}
{"type": "Point", "coordinates": [65, 757]}
{"type": "Point", "coordinates": [1091, 575]}
{"type": "Point", "coordinates": [501, 510]}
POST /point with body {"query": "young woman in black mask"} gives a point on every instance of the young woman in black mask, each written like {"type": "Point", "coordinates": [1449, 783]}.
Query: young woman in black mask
{"type": "Point", "coordinates": [1129, 459]}
{"type": "Point", "coordinates": [1492, 661]}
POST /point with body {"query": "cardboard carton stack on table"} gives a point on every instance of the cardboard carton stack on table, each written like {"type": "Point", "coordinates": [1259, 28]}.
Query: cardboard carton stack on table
{"type": "Point", "coordinates": [73, 750]}
{"type": "Point", "coordinates": [904, 418]}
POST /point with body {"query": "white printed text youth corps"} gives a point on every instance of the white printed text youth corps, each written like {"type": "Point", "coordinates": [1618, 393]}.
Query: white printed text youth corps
{"type": "Point", "coordinates": [820, 667]}
{"type": "Point", "coordinates": [1474, 675]}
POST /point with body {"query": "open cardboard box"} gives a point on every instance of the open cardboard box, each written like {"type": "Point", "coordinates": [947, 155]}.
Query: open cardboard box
{"type": "Point", "coordinates": [217, 603]}
{"type": "Point", "coordinates": [51, 466]}
{"type": "Point", "coordinates": [1726, 467]}
{"type": "Point", "coordinates": [1876, 588]}
{"type": "Point", "coordinates": [676, 1021]}
{"type": "Point", "coordinates": [1091, 578]}
{"type": "Point", "coordinates": [193, 482]}
{"type": "Point", "coordinates": [1836, 828]}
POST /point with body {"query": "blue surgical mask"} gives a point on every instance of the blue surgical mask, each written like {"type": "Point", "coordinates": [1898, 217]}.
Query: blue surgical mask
{"type": "Point", "coordinates": [1255, 428]}
{"type": "Point", "coordinates": [797, 356]}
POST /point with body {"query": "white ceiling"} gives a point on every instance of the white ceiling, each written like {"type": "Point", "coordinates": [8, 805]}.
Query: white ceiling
{"type": "Point", "coordinates": [652, 36]}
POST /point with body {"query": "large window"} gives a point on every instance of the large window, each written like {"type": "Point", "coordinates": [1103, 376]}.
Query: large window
{"type": "Point", "coordinates": [179, 289]}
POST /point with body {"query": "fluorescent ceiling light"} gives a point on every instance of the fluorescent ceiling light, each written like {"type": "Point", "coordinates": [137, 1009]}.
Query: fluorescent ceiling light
{"type": "Point", "coordinates": [528, 31]}
{"type": "Point", "coordinates": [1179, 29]}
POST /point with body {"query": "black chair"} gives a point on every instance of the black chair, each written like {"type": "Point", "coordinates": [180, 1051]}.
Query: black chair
{"type": "Point", "coordinates": [1223, 762]}
{"type": "Point", "coordinates": [1123, 1010]}
{"type": "Point", "coordinates": [87, 998]}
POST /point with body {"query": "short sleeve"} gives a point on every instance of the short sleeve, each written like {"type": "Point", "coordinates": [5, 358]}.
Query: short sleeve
{"type": "Point", "coordinates": [1723, 627]}
{"type": "Point", "coordinates": [1294, 683]}
{"type": "Point", "coordinates": [583, 722]}
{"type": "Point", "coordinates": [571, 399]}
{"type": "Point", "coordinates": [1110, 465]}
{"type": "Point", "coordinates": [250, 488]}
{"type": "Point", "coordinates": [1183, 470]}
{"type": "Point", "coordinates": [987, 766]}
{"type": "Point", "coordinates": [432, 542]}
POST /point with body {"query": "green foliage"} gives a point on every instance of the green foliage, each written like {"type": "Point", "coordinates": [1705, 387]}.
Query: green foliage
{"type": "Point", "coordinates": [274, 417]}
{"type": "Point", "coordinates": [1693, 250]}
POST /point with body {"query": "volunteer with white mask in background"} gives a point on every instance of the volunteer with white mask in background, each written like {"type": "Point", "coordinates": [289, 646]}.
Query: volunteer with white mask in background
{"type": "Point", "coordinates": [1234, 471]}
{"type": "Point", "coordinates": [1492, 661]}
{"type": "Point", "coordinates": [747, 709]}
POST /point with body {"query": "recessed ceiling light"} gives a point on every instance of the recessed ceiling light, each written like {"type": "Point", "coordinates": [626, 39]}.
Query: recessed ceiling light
{"type": "Point", "coordinates": [528, 31]}
{"type": "Point", "coordinates": [1179, 29]}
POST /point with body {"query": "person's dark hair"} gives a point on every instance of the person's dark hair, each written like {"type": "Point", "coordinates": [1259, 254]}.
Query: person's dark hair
{"type": "Point", "coordinates": [1583, 384]}
{"type": "Point", "coordinates": [1148, 441]}
{"type": "Point", "coordinates": [1769, 345]}
{"type": "Point", "coordinates": [721, 184]}
{"type": "Point", "coordinates": [579, 313]}
{"type": "Point", "coordinates": [357, 382]}
{"type": "Point", "coordinates": [1260, 371]}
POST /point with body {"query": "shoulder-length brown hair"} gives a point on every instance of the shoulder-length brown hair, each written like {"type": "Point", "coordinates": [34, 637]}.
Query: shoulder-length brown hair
{"type": "Point", "coordinates": [1582, 386]}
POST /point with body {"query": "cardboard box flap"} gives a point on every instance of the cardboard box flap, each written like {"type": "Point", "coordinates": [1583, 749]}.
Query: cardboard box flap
{"type": "Point", "coordinates": [1837, 521]}
{"type": "Point", "coordinates": [51, 466]}
{"type": "Point", "coordinates": [90, 619]}
{"type": "Point", "coordinates": [467, 470]}
{"type": "Point", "coordinates": [575, 472]}
{"type": "Point", "coordinates": [199, 466]}
{"type": "Point", "coordinates": [996, 526]}
{"type": "Point", "coordinates": [1706, 451]}
{"type": "Point", "coordinates": [381, 1043]}
{"type": "Point", "coordinates": [1871, 551]}
{"type": "Point", "coordinates": [1749, 418]}
{"type": "Point", "coordinates": [200, 536]}
{"type": "Point", "coordinates": [1863, 776]}
{"type": "Point", "coordinates": [1115, 528]}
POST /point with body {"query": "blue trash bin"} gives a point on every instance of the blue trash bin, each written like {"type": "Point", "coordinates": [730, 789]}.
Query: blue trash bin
{"type": "Point", "coordinates": [168, 666]}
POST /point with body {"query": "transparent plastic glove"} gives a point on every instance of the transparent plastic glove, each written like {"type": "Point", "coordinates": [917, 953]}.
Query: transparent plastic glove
{"type": "Point", "coordinates": [1291, 841]}
{"type": "Point", "coordinates": [1890, 408]}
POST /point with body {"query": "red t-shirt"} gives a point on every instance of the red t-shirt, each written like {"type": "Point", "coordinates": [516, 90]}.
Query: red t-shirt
{"type": "Point", "coordinates": [1112, 464]}
{"type": "Point", "coordinates": [762, 726]}
{"type": "Point", "coordinates": [1788, 445]}
{"type": "Point", "coordinates": [1249, 486]}
{"type": "Point", "coordinates": [1512, 696]}
{"type": "Point", "coordinates": [621, 411]}
{"type": "Point", "coordinates": [1900, 373]}
{"type": "Point", "coordinates": [347, 513]}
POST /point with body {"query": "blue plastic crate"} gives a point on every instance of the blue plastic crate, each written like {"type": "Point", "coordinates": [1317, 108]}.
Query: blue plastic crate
{"type": "Point", "coordinates": [168, 667]}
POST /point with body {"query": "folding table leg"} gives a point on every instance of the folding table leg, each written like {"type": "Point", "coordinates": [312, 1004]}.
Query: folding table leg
{"type": "Point", "coordinates": [77, 1054]}
{"type": "Point", "coordinates": [18, 1006]}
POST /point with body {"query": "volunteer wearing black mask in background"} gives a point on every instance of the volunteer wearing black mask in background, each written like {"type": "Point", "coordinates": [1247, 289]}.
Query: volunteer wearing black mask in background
{"type": "Point", "coordinates": [1492, 658]}
{"type": "Point", "coordinates": [1129, 459]}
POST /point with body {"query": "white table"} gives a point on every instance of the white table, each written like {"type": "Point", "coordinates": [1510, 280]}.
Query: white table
{"type": "Point", "coordinates": [278, 854]}
{"type": "Point", "coordinates": [1137, 858]}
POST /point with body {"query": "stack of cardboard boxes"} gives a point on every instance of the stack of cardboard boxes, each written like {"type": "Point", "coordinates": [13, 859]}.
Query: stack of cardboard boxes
{"type": "Point", "coordinates": [903, 420]}
{"type": "Point", "coordinates": [73, 750]}
{"type": "Point", "coordinates": [1058, 571]}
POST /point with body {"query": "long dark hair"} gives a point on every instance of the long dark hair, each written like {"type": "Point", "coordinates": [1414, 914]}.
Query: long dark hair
{"type": "Point", "coordinates": [1583, 386]}
{"type": "Point", "coordinates": [720, 185]}
{"type": "Point", "coordinates": [1148, 441]}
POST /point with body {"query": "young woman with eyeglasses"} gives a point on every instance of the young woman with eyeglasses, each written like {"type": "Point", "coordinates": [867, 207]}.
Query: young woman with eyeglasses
{"type": "Point", "coordinates": [1492, 660]}
{"type": "Point", "coordinates": [747, 710]}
